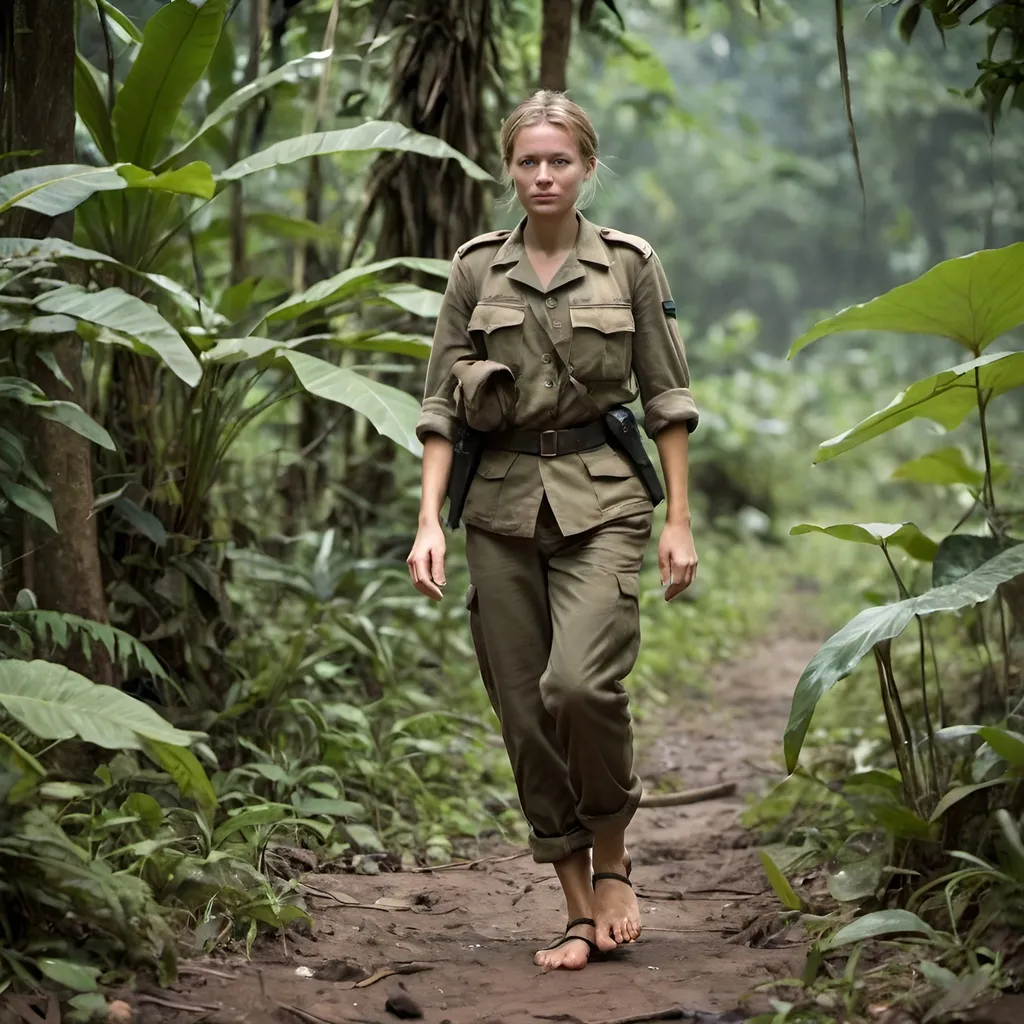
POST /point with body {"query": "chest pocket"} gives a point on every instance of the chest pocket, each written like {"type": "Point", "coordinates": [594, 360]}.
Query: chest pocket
{"type": "Point", "coordinates": [498, 329]}
{"type": "Point", "coordinates": [602, 341]}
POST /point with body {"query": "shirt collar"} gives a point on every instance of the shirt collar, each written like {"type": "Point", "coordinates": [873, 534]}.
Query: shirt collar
{"type": "Point", "coordinates": [588, 248]}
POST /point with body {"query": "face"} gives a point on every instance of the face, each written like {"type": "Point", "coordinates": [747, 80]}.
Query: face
{"type": "Point", "coordinates": [547, 170]}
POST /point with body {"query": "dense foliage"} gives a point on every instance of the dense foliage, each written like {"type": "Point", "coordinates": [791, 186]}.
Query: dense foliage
{"type": "Point", "coordinates": [213, 321]}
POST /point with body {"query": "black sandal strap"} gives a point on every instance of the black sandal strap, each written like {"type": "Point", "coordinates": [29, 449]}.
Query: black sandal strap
{"type": "Point", "coordinates": [580, 920]}
{"type": "Point", "coordinates": [569, 938]}
{"type": "Point", "coordinates": [611, 876]}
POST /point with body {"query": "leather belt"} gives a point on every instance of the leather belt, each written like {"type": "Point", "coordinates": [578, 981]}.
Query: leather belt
{"type": "Point", "coordinates": [551, 443]}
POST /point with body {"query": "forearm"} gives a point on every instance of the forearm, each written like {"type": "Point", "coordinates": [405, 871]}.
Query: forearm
{"type": "Point", "coordinates": [437, 465]}
{"type": "Point", "coordinates": [674, 446]}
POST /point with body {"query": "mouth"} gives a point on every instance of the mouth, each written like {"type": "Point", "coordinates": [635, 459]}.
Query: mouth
{"type": "Point", "coordinates": [544, 195]}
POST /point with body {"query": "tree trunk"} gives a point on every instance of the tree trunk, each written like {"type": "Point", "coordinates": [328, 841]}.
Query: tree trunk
{"type": "Point", "coordinates": [555, 38]}
{"type": "Point", "coordinates": [38, 113]}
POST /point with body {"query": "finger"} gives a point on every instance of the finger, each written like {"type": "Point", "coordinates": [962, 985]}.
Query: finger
{"type": "Point", "coordinates": [664, 567]}
{"type": "Point", "coordinates": [437, 566]}
{"type": "Point", "coordinates": [429, 589]}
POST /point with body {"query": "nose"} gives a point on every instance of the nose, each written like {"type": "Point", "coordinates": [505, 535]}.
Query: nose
{"type": "Point", "coordinates": [544, 173]}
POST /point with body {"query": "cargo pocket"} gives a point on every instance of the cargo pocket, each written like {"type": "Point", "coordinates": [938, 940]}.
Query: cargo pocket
{"type": "Point", "coordinates": [498, 329]}
{"type": "Point", "coordinates": [614, 479]}
{"type": "Point", "coordinates": [602, 341]}
{"type": "Point", "coordinates": [485, 490]}
{"type": "Point", "coordinates": [623, 637]}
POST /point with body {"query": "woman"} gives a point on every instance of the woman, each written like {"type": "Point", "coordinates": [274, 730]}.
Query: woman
{"type": "Point", "coordinates": [542, 331]}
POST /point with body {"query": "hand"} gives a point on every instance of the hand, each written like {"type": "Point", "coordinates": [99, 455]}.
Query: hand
{"type": "Point", "coordinates": [677, 559]}
{"type": "Point", "coordinates": [426, 561]}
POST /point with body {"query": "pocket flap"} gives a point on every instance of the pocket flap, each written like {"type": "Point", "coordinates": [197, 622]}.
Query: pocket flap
{"type": "Point", "coordinates": [606, 319]}
{"type": "Point", "coordinates": [495, 464]}
{"type": "Point", "coordinates": [470, 595]}
{"type": "Point", "coordinates": [607, 462]}
{"type": "Point", "coordinates": [488, 318]}
{"type": "Point", "coordinates": [629, 585]}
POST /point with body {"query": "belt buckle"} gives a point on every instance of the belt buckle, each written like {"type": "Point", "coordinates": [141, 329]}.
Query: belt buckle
{"type": "Point", "coordinates": [548, 443]}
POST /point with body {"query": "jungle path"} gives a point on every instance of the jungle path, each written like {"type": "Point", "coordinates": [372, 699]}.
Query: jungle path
{"type": "Point", "coordinates": [701, 887]}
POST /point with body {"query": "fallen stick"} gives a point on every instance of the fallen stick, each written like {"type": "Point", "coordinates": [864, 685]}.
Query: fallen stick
{"type": "Point", "coordinates": [312, 1018]}
{"type": "Point", "coordinates": [467, 864]}
{"type": "Point", "coordinates": [689, 796]}
{"type": "Point", "coordinates": [176, 1004]}
{"type": "Point", "coordinates": [672, 1013]}
{"type": "Point", "coordinates": [199, 969]}
{"type": "Point", "coordinates": [389, 972]}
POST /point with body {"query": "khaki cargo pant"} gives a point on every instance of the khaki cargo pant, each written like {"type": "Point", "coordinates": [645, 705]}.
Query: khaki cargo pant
{"type": "Point", "coordinates": [555, 623]}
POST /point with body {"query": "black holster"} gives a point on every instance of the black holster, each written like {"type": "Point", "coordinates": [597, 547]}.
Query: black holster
{"type": "Point", "coordinates": [468, 447]}
{"type": "Point", "coordinates": [624, 435]}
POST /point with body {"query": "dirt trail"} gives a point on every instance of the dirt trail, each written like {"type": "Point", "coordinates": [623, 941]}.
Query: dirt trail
{"type": "Point", "coordinates": [700, 886]}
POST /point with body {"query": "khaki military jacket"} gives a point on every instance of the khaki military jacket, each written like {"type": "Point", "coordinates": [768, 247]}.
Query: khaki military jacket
{"type": "Point", "coordinates": [509, 354]}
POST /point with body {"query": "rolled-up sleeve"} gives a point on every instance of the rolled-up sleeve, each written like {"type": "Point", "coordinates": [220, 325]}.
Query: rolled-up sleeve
{"type": "Point", "coordinates": [659, 356]}
{"type": "Point", "coordinates": [451, 343]}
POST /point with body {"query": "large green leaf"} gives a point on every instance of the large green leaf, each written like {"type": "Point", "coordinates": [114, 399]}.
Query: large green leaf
{"type": "Point", "coordinates": [55, 703]}
{"type": "Point", "coordinates": [119, 311]}
{"type": "Point", "coordinates": [57, 248]}
{"type": "Point", "coordinates": [392, 412]}
{"type": "Point", "coordinates": [958, 793]}
{"type": "Point", "coordinates": [882, 922]}
{"type": "Point", "coordinates": [59, 188]}
{"type": "Point", "coordinates": [296, 70]}
{"type": "Point", "coordinates": [971, 300]}
{"type": "Point", "coordinates": [365, 138]}
{"type": "Point", "coordinates": [183, 766]}
{"type": "Point", "coordinates": [75, 418]}
{"type": "Point", "coordinates": [237, 350]}
{"type": "Point", "coordinates": [91, 106]}
{"type": "Point", "coordinates": [422, 302]}
{"type": "Point", "coordinates": [176, 48]}
{"type": "Point", "coordinates": [945, 397]}
{"type": "Point", "coordinates": [961, 553]}
{"type": "Point", "coordinates": [121, 26]}
{"type": "Point", "coordinates": [779, 882]}
{"type": "Point", "coordinates": [194, 179]}
{"type": "Point", "coordinates": [945, 466]}
{"type": "Point", "coordinates": [352, 282]}
{"type": "Point", "coordinates": [56, 188]}
{"type": "Point", "coordinates": [1008, 745]}
{"type": "Point", "coordinates": [901, 535]}
{"type": "Point", "coordinates": [28, 500]}
{"type": "Point", "coordinates": [71, 415]}
{"type": "Point", "coordinates": [841, 653]}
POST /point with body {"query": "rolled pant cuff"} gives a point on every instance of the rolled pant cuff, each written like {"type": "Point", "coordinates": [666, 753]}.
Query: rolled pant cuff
{"type": "Point", "coordinates": [549, 849]}
{"type": "Point", "coordinates": [617, 821]}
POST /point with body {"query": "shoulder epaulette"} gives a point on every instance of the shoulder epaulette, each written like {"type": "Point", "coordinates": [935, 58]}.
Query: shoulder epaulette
{"type": "Point", "coordinates": [633, 241]}
{"type": "Point", "coordinates": [491, 238]}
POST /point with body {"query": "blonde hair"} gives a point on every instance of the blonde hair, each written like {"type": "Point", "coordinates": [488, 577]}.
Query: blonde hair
{"type": "Point", "coordinates": [548, 106]}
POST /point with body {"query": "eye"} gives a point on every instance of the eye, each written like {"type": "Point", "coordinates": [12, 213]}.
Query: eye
{"type": "Point", "coordinates": [525, 162]}
{"type": "Point", "coordinates": [560, 160]}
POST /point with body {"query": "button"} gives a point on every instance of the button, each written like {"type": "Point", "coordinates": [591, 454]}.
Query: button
{"type": "Point", "coordinates": [549, 383]}
{"type": "Point", "coordinates": [556, 323]}
{"type": "Point", "coordinates": [546, 358]}
{"type": "Point", "coordinates": [551, 302]}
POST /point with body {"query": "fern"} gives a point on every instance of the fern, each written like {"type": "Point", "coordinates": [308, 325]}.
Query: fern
{"type": "Point", "coordinates": [60, 628]}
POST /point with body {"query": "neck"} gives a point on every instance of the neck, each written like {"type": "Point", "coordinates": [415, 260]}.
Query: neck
{"type": "Point", "coordinates": [552, 234]}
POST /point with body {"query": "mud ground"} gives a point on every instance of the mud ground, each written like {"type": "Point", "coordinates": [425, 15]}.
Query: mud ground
{"type": "Point", "coordinates": [468, 934]}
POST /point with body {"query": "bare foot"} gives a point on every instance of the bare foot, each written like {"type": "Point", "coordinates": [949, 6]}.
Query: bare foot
{"type": "Point", "coordinates": [571, 955]}
{"type": "Point", "coordinates": [616, 911]}
{"type": "Point", "coordinates": [574, 876]}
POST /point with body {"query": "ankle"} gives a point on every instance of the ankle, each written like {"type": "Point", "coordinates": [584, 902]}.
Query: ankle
{"type": "Point", "coordinates": [610, 852]}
